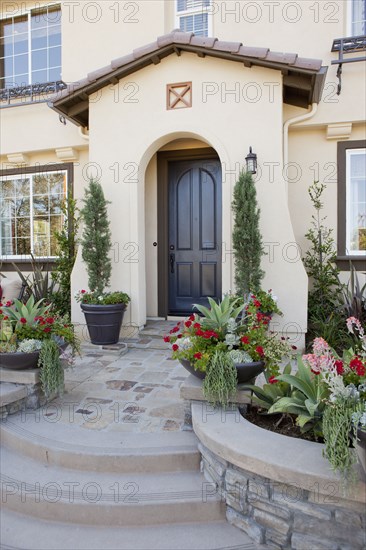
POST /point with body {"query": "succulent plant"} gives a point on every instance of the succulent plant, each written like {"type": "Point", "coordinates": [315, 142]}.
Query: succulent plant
{"type": "Point", "coordinates": [240, 356]}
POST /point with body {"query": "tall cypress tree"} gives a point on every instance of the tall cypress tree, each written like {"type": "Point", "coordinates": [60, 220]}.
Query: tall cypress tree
{"type": "Point", "coordinates": [96, 239]}
{"type": "Point", "coordinates": [247, 239]}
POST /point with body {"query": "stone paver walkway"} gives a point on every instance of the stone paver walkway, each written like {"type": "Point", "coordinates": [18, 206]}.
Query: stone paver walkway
{"type": "Point", "coordinates": [136, 392]}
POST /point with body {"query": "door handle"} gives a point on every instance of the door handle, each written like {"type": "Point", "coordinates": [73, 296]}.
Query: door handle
{"type": "Point", "coordinates": [172, 262]}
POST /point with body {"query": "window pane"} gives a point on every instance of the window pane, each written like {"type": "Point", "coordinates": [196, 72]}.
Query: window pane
{"type": "Point", "coordinates": [39, 77]}
{"type": "Point", "coordinates": [54, 74]}
{"type": "Point", "coordinates": [8, 247]}
{"type": "Point", "coordinates": [183, 5]}
{"type": "Point", "coordinates": [56, 225]}
{"type": "Point", "coordinates": [22, 187]}
{"type": "Point", "coordinates": [41, 234]}
{"type": "Point", "coordinates": [358, 17]}
{"type": "Point", "coordinates": [7, 188]}
{"type": "Point", "coordinates": [39, 59]}
{"type": "Point", "coordinates": [54, 57]}
{"type": "Point", "coordinates": [356, 197]}
{"type": "Point", "coordinates": [39, 39]}
{"type": "Point", "coordinates": [22, 206]}
{"type": "Point", "coordinates": [6, 46]}
{"type": "Point", "coordinates": [195, 23]}
{"type": "Point", "coordinates": [40, 205]}
{"type": "Point", "coordinates": [20, 25]}
{"type": "Point", "coordinates": [20, 64]}
{"type": "Point", "coordinates": [23, 227]}
{"type": "Point", "coordinates": [6, 27]}
{"type": "Point", "coordinates": [55, 204]}
{"type": "Point", "coordinates": [54, 36]}
{"type": "Point", "coordinates": [23, 246]}
{"type": "Point", "coordinates": [18, 80]}
{"type": "Point", "coordinates": [20, 43]}
{"type": "Point", "coordinates": [57, 183]}
{"type": "Point", "coordinates": [40, 185]}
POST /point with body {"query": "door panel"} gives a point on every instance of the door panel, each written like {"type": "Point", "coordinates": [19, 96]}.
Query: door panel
{"type": "Point", "coordinates": [194, 233]}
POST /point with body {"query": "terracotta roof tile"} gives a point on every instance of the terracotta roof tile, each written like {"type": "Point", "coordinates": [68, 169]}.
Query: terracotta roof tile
{"type": "Point", "coordinates": [307, 63]}
{"type": "Point", "coordinates": [145, 50]}
{"type": "Point", "coordinates": [231, 47]}
{"type": "Point", "coordinates": [279, 57]}
{"type": "Point", "coordinates": [183, 37]}
{"type": "Point", "coordinates": [165, 39]}
{"type": "Point", "coordinates": [259, 53]}
{"type": "Point", "coordinates": [203, 41]}
{"type": "Point", "coordinates": [121, 61]}
{"type": "Point", "coordinates": [94, 75]}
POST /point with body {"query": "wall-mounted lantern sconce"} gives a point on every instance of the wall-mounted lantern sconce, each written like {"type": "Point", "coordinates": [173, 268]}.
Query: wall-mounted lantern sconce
{"type": "Point", "coordinates": [251, 161]}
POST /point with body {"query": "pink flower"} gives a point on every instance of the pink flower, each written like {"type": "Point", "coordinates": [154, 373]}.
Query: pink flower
{"type": "Point", "coordinates": [83, 291]}
{"type": "Point", "coordinates": [320, 346]}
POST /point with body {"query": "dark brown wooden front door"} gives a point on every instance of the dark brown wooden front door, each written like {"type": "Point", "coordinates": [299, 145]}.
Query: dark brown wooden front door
{"type": "Point", "coordinates": [194, 225]}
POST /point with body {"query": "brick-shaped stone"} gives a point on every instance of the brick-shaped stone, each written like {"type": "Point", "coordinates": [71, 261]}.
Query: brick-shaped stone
{"type": "Point", "coordinates": [303, 523]}
{"type": "Point", "coordinates": [246, 524]}
{"type": "Point", "coordinates": [269, 520]}
{"type": "Point", "coordinates": [308, 542]}
{"type": "Point", "coordinates": [234, 477]}
{"type": "Point", "coordinates": [269, 507]}
{"type": "Point", "coordinates": [219, 464]}
{"type": "Point", "coordinates": [305, 507]}
{"type": "Point", "coordinates": [259, 487]}
{"type": "Point", "coordinates": [236, 503]}
{"type": "Point", "coordinates": [278, 539]}
{"type": "Point", "coordinates": [348, 518]}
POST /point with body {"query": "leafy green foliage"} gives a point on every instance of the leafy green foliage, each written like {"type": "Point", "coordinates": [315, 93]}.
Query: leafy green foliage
{"type": "Point", "coordinates": [96, 239]}
{"type": "Point", "coordinates": [28, 311]}
{"type": "Point", "coordinates": [307, 399]}
{"type": "Point", "coordinates": [39, 283]}
{"type": "Point", "coordinates": [325, 295]}
{"type": "Point", "coordinates": [67, 250]}
{"type": "Point", "coordinates": [217, 316]}
{"type": "Point", "coordinates": [354, 297]}
{"type": "Point", "coordinates": [337, 428]}
{"type": "Point", "coordinates": [106, 298]}
{"type": "Point", "coordinates": [271, 392]}
{"type": "Point", "coordinates": [247, 239]}
{"type": "Point", "coordinates": [52, 372]}
{"type": "Point", "coordinates": [220, 381]}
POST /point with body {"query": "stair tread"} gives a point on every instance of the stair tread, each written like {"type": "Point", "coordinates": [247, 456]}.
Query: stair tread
{"type": "Point", "coordinates": [20, 532]}
{"type": "Point", "coordinates": [21, 473]}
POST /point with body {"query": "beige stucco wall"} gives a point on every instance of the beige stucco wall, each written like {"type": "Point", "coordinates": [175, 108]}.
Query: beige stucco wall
{"type": "Point", "coordinates": [116, 139]}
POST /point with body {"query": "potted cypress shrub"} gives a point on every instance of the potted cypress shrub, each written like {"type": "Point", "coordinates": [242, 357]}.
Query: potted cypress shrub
{"type": "Point", "coordinates": [103, 310]}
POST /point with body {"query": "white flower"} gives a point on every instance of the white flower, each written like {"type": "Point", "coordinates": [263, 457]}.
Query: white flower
{"type": "Point", "coordinates": [184, 343]}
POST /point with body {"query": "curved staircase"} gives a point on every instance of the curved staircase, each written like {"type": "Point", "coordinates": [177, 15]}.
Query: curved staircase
{"type": "Point", "coordinates": [64, 489]}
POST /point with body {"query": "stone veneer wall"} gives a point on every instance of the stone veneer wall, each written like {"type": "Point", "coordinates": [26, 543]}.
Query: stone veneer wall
{"type": "Point", "coordinates": [34, 399]}
{"type": "Point", "coordinates": [282, 515]}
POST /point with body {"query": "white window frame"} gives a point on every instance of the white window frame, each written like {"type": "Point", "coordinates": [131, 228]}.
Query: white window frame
{"type": "Point", "coordinates": [350, 4]}
{"type": "Point", "coordinates": [195, 11]}
{"type": "Point", "coordinates": [28, 12]}
{"type": "Point", "coordinates": [349, 154]}
{"type": "Point", "coordinates": [30, 175]}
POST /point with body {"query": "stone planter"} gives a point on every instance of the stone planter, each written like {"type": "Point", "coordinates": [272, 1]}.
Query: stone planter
{"type": "Point", "coordinates": [104, 322]}
{"type": "Point", "coordinates": [19, 360]}
{"type": "Point", "coordinates": [245, 371]}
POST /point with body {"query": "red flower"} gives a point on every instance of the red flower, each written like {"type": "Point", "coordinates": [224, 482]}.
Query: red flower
{"type": "Point", "coordinates": [50, 320]}
{"type": "Point", "coordinates": [166, 338]}
{"type": "Point", "coordinates": [6, 318]}
{"type": "Point", "coordinates": [47, 329]}
{"type": "Point", "coordinates": [175, 329]}
{"type": "Point", "coordinates": [259, 350]}
{"type": "Point", "coordinates": [294, 347]}
{"type": "Point", "coordinates": [272, 380]}
{"type": "Point", "coordinates": [191, 318]}
{"type": "Point", "coordinates": [257, 303]}
{"type": "Point", "coordinates": [175, 347]}
{"type": "Point", "coordinates": [199, 332]}
{"type": "Point", "coordinates": [188, 323]}
{"type": "Point", "coordinates": [83, 291]}
{"type": "Point", "coordinates": [179, 336]}
{"type": "Point", "coordinates": [8, 304]}
{"type": "Point", "coordinates": [245, 339]}
{"type": "Point", "coordinates": [358, 366]}
{"type": "Point", "coordinates": [339, 366]}
{"type": "Point", "coordinates": [197, 326]}
{"type": "Point", "coordinates": [1, 311]}
{"type": "Point", "coordinates": [23, 320]}
{"type": "Point", "coordinates": [198, 355]}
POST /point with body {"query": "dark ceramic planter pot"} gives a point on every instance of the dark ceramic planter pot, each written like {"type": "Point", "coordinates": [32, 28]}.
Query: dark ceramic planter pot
{"type": "Point", "coordinates": [361, 448]}
{"type": "Point", "coordinates": [19, 360]}
{"type": "Point", "coordinates": [245, 371]}
{"type": "Point", "coordinates": [104, 322]}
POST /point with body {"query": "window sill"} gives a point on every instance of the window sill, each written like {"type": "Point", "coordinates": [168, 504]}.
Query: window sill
{"type": "Point", "coordinates": [6, 265]}
{"type": "Point", "coordinates": [359, 262]}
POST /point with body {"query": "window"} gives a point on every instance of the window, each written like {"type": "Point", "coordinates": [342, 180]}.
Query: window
{"type": "Point", "coordinates": [357, 17]}
{"type": "Point", "coordinates": [194, 16]}
{"type": "Point", "coordinates": [30, 210]}
{"type": "Point", "coordinates": [352, 201]}
{"type": "Point", "coordinates": [30, 48]}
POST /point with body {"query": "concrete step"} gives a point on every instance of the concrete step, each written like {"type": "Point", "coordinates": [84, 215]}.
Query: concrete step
{"type": "Point", "coordinates": [10, 393]}
{"type": "Point", "coordinates": [98, 498]}
{"type": "Point", "coordinates": [32, 434]}
{"type": "Point", "coordinates": [20, 532]}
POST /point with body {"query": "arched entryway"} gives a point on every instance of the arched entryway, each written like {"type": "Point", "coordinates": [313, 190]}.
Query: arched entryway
{"type": "Point", "coordinates": [183, 207]}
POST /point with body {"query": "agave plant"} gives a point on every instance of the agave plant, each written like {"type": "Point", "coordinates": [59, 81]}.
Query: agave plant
{"type": "Point", "coordinates": [218, 315]}
{"type": "Point", "coordinates": [307, 399]}
{"type": "Point", "coordinates": [28, 311]}
{"type": "Point", "coordinates": [271, 392]}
